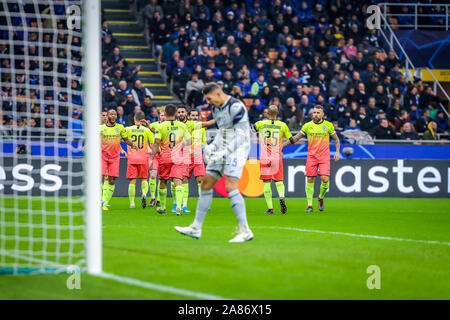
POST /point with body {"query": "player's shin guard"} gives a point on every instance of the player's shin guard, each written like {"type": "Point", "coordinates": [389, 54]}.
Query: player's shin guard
{"type": "Point", "coordinates": [309, 193]}
{"type": "Point", "coordinates": [179, 190]}
{"type": "Point", "coordinates": [131, 193]}
{"type": "Point", "coordinates": [203, 204]}
{"type": "Point", "coordinates": [238, 205]}
{"type": "Point", "coordinates": [268, 195]}
{"type": "Point", "coordinates": [144, 185]}
{"type": "Point", "coordinates": [185, 194]}
{"type": "Point", "coordinates": [323, 189]}
{"type": "Point", "coordinates": [162, 194]}
{"type": "Point", "coordinates": [152, 183]}
{"type": "Point", "coordinates": [280, 189]}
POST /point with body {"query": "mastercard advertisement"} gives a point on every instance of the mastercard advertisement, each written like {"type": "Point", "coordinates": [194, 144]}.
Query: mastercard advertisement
{"type": "Point", "coordinates": [249, 185]}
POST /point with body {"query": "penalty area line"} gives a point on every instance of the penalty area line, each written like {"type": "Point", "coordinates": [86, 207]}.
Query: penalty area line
{"type": "Point", "coordinates": [160, 287]}
{"type": "Point", "coordinates": [355, 235]}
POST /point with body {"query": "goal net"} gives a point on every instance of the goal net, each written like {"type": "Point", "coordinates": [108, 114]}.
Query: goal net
{"type": "Point", "coordinates": [42, 176]}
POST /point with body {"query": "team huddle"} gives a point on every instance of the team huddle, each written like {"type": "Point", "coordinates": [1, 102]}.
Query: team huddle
{"type": "Point", "coordinates": [175, 148]}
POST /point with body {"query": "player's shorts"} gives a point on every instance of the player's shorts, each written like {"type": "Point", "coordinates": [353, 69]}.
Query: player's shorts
{"type": "Point", "coordinates": [110, 167]}
{"type": "Point", "coordinates": [134, 169]}
{"type": "Point", "coordinates": [155, 164]}
{"type": "Point", "coordinates": [198, 169]}
{"type": "Point", "coordinates": [314, 168]}
{"type": "Point", "coordinates": [271, 165]}
{"type": "Point", "coordinates": [229, 160]}
{"type": "Point", "coordinates": [171, 170]}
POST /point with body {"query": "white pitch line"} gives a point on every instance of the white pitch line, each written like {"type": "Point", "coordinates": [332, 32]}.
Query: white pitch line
{"type": "Point", "coordinates": [357, 235]}
{"type": "Point", "coordinates": [131, 281]}
{"type": "Point", "coordinates": [160, 287]}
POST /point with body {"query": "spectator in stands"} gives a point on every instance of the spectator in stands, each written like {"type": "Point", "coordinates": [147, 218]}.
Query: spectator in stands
{"type": "Point", "coordinates": [180, 76]}
{"type": "Point", "coordinates": [147, 105]}
{"type": "Point", "coordinates": [153, 116]}
{"type": "Point", "coordinates": [431, 132]}
{"type": "Point", "coordinates": [255, 111]}
{"type": "Point", "coordinates": [423, 121]}
{"type": "Point", "coordinates": [407, 132]}
{"type": "Point", "coordinates": [442, 122]}
{"type": "Point", "coordinates": [339, 84]}
{"type": "Point", "coordinates": [139, 92]}
{"type": "Point", "coordinates": [194, 89]}
{"type": "Point", "coordinates": [258, 85]}
{"type": "Point", "coordinates": [114, 57]}
{"type": "Point", "coordinates": [121, 116]}
{"type": "Point", "coordinates": [383, 131]}
{"type": "Point", "coordinates": [401, 120]}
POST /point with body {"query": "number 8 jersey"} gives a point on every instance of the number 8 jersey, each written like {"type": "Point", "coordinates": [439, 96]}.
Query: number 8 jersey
{"type": "Point", "coordinates": [172, 133]}
{"type": "Point", "coordinates": [141, 136]}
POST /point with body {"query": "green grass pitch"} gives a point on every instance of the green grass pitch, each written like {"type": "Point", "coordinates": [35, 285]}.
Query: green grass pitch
{"type": "Point", "coordinates": [278, 263]}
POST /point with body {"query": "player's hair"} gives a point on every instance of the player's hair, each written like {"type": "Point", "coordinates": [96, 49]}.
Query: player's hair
{"type": "Point", "coordinates": [182, 106]}
{"type": "Point", "coordinates": [192, 110]}
{"type": "Point", "coordinates": [318, 107]}
{"type": "Point", "coordinates": [170, 110]}
{"type": "Point", "coordinates": [272, 110]}
{"type": "Point", "coordinates": [140, 115]}
{"type": "Point", "coordinates": [210, 87]}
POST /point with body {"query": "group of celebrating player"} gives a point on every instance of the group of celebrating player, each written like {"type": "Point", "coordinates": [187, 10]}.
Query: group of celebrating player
{"type": "Point", "coordinates": [175, 148]}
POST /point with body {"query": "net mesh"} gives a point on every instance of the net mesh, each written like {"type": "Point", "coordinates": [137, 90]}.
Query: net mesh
{"type": "Point", "coordinates": [41, 135]}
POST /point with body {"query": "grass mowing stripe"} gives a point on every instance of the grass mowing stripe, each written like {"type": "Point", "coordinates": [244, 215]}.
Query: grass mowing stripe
{"type": "Point", "coordinates": [159, 287]}
{"type": "Point", "coordinates": [356, 235]}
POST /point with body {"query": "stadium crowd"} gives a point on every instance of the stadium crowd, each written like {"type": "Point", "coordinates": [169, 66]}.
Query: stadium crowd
{"type": "Point", "coordinates": [292, 54]}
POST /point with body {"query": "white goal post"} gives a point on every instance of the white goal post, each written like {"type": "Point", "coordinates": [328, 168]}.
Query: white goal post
{"type": "Point", "coordinates": [50, 103]}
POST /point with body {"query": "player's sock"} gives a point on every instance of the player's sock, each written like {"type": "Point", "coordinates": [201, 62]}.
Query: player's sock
{"type": "Point", "coordinates": [323, 189]}
{"type": "Point", "coordinates": [179, 190]}
{"type": "Point", "coordinates": [280, 188]}
{"type": "Point", "coordinates": [309, 193]}
{"type": "Point", "coordinates": [172, 188]}
{"type": "Point", "coordinates": [131, 193]}
{"type": "Point", "coordinates": [105, 187]}
{"type": "Point", "coordinates": [152, 188]}
{"type": "Point", "coordinates": [203, 204]}
{"type": "Point", "coordinates": [185, 194]}
{"type": "Point", "coordinates": [144, 186]}
{"type": "Point", "coordinates": [157, 191]}
{"type": "Point", "coordinates": [238, 205]}
{"type": "Point", "coordinates": [268, 195]}
{"type": "Point", "coordinates": [109, 193]}
{"type": "Point", "coordinates": [162, 198]}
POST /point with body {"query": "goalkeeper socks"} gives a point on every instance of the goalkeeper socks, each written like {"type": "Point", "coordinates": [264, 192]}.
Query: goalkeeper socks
{"type": "Point", "coordinates": [323, 189]}
{"type": "Point", "coordinates": [309, 193]}
{"type": "Point", "coordinates": [179, 190]}
{"type": "Point", "coordinates": [144, 188]}
{"type": "Point", "coordinates": [152, 188]}
{"type": "Point", "coordinates": [162, 194]}
{"type": "Point", "coordinates": [238, 205]}
{"type": "Point", "coordinates": [185, 194]}
{"type": "Point", "coordinates": [203, 204]}
{"type": "Point", "coordinates": [131, 193]}
{"type": "Point", "coordinates": [109, 193]}
{"type": "Point", "coordinates": [280, 189]}
{"type": "Point", "coordinates": [268, 195]}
